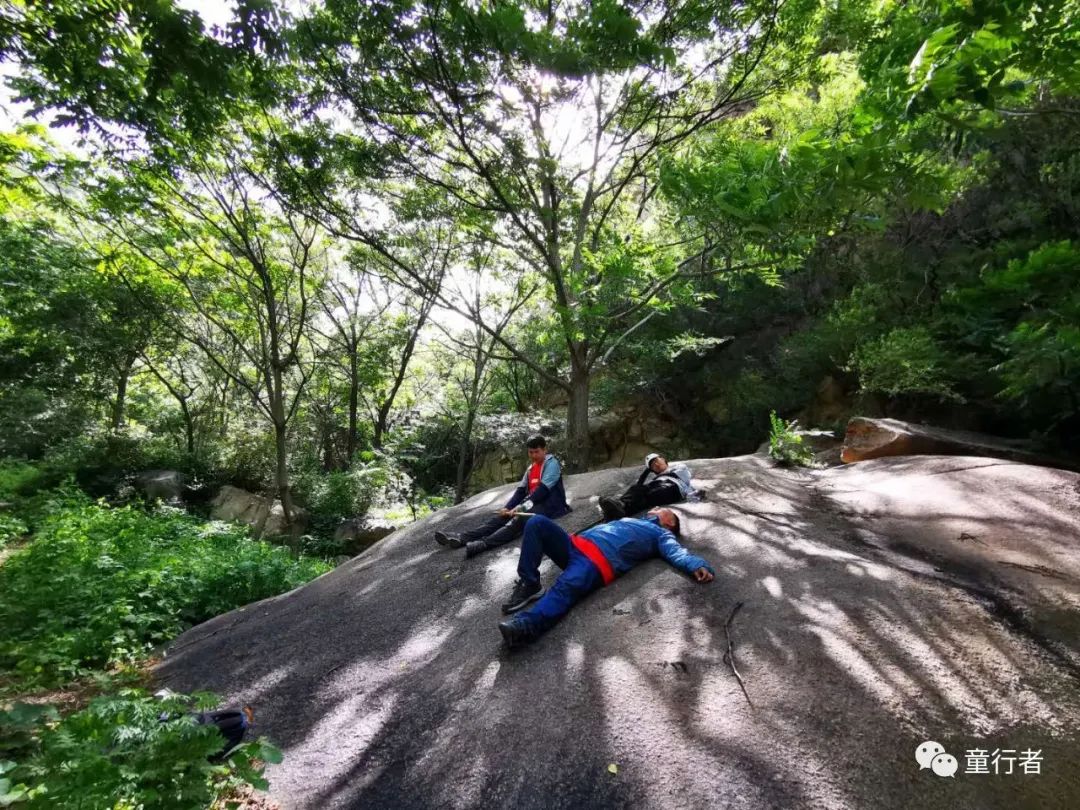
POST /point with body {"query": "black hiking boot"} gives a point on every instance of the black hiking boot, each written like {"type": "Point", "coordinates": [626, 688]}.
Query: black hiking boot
{"type": "Point", "coordinates": [523, 593]}
{"type": "Point", "coordinates": [448, 540]}
{"type": "Point", "coordinates": [612, 508]}
{"type": "Point", "coordinates": [515, 633]}
{"type": "Point", "coordinates": [474, 547]}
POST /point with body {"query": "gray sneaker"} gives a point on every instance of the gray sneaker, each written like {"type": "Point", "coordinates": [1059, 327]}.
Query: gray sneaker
{"type": "Point", "coordinates": [448, 540]}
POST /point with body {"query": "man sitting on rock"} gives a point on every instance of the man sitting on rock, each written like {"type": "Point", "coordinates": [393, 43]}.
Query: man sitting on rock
{"type": "Point", "coordinates": [589, 560]}
{"type": "Point", "coordinates": [659, 484]}
{"type": "Point", "coordinates": [540, 492]}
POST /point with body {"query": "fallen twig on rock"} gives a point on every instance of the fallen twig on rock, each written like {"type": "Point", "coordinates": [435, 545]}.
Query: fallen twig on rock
{"type": "Point", "coordinates": [729, 656]}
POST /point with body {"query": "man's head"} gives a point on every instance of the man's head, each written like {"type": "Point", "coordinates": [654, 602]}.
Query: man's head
{"type": "Point", "coordinates": [656, 462]}
{"type": "Point", "coordinates": [668, 519]}
{"type": "Point", "coordinates": [537, 446]}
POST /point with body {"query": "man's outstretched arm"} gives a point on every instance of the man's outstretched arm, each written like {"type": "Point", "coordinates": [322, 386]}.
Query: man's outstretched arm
{"type": "Point", "coordinates": [671, 550]}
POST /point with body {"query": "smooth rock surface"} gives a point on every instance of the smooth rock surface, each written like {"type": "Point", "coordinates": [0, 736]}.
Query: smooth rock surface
{"type": "Point", "coordinates": [866, 438]}
{"type": "Point", "coordinates": [885, 604]}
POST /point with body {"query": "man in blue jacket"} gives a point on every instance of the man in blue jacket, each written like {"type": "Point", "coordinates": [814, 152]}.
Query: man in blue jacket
{"type": "Point", "coordinates": [589, 561]}
{"type": "Point", "coordinates": [540, 492]}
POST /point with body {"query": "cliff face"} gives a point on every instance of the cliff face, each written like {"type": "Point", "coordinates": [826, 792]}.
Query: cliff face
{"type": "Point", "coordinates": [886, 603]}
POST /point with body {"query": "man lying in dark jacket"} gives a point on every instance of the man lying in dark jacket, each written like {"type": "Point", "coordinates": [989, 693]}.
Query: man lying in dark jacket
{"type": "Point", "coordinates": [589, 561]}
{"type": "Point", "coordinates": [659, 484]}
{"type": "Point", "coordinates": [540, 492]}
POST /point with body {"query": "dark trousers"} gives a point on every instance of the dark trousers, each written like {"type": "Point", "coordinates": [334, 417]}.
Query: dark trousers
{"type": "Point", "coordinates": [579, 577]}
{"type": "Point", "coordinates": [646, 496]}
{"type": "Point", "coordinates": [497, 530]}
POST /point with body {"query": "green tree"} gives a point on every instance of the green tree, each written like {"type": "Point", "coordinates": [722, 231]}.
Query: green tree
{"type": "Point", "coordinates": [474, 103]}
{"type": "Point", "coordinates": [130, 69]}
{"type": "Point", "coordinates": [249, 276]}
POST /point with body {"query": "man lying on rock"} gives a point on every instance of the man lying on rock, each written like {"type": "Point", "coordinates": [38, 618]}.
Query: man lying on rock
{"type": "Point", "coordinates": [659, 484]}
{"type": "Point", "coordinates": [589, 561]}
{"type": "Point", "coordinates": [540, 492]}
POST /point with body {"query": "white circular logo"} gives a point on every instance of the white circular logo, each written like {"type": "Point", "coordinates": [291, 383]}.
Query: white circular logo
{"type": "Point", "coordinates": [944, 765]}
{"type": "Point", "coordinates": [926, 752]}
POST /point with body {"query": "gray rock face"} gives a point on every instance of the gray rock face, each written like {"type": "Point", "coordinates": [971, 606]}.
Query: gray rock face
{"type": "Point", "coordinates": [265, 516]}
{"type": "Point", "coordinates": [886, 603]}
{"type": "Point", "coordinates": [621, 437]}
{"type": "Point", "coordinates": [867, 438]}
{"type": "Point", "coordinates": [358, 533]}
{"type": "Point", "coordinates": [165, 485]}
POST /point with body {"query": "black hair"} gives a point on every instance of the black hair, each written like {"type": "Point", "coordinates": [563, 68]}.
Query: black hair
{"type": "Point", "coordinates": [677, 530]}
{"type": "Point", "coordinates": [536, 441]}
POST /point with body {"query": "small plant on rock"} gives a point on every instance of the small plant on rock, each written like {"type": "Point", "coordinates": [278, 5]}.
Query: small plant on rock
{"type": "Point", "coordinates": [786, 445]}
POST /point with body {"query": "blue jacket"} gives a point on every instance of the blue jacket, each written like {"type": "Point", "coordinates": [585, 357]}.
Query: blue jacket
{"type": "Point", "coordinates": [549, 498]}
{"type": "Point", "coordinates": [627, 542]}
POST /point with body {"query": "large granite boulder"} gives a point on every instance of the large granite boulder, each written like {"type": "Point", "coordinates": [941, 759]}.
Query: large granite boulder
{"type": "Point", "coordinates": [165, 485]}
{"type": "Point", "coordinates": [884, 604]}
{"type": "Point", "coordinates": [265, 516]}
{"type": "Point", "coordinates": [357, 534]}
{"type": "Point", "coordinates": [867, 438]}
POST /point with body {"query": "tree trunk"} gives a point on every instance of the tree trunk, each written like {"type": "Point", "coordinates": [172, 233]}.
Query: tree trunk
{"type": "Point", "coordinates": [329, 446]}
{"type": "Point", "coordinates": [379, 429]}
{"type": "Point", "coordinates": [189, 426]}
{"type": "Point", "coordinates": [117, 420]}
{"type": "Point", "coordinates": [276, 394]}
{"type": "Point", "coordinates": [577, 422]}
{"type": "Point", "coordinates": [463, 468]}
{"type": "Point", "coordinates": [354, 397]}
{"type": "Point", "coordinates": [281, 474]}
{"type": "Point", "coordinates": [223, 422]}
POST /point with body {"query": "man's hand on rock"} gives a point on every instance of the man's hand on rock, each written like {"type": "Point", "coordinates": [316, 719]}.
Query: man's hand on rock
{"type": "Point", "coordinates": [506, 512]}
{"type": "Point", "coordinates": [703, 575]}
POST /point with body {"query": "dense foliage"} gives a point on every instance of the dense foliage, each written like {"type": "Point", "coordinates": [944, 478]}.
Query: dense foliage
{"type": "Point", "coordinates": [101, 586]}
{"type": "Point", "coordinates": [84, 600]}
{"type": "Point", "coordinates": [123, 751]}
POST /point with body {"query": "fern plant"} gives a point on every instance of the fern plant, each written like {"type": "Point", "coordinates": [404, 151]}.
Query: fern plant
{"type": "Point", "coordinates": [786, 445]}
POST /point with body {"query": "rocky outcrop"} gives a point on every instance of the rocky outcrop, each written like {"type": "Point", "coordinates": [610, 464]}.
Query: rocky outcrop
{"type": "Point", "coordinates": [830, 405]}
{"type": "Point", "coordinates": [265, 516]}
{"type": "Point", "coordinates": [867, 438]}
{"type": "Point", "coordinates": [621, 437]}
{"type": "Point", "coordinates": [165, 485]}
{"type": "Point", "coordinates": [624, 436]}
{"type": "Point", "coordinates": [357, 534]}
{"type": "Point", "coordinates": [883, 604]}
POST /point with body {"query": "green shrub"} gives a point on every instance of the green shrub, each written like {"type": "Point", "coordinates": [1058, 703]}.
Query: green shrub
{"type": "Point", "coordinates": [118, 753]}
{"type": "Point", "coordinates": [905, 361]}
{"type": "Point", "coordinates": [11, 528]}
{"type": "Point", "coordinates": [102, 586]}
{"type": "Point", "coordinates": [375, 480]}
{"type": "Point", "coordinates": [787, 446]}
{"type": "Point", "coordinates": [17, 478]}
